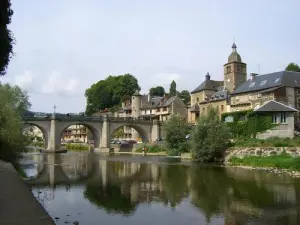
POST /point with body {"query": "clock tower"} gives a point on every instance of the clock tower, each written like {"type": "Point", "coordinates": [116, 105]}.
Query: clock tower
{"type": "Point", "coordinates": [235, 71]}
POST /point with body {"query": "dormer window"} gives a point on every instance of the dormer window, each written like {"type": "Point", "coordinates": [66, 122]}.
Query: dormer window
{"type": "Point", "coordinates": [251, 84]}
{"type": "Point", "coordinates": [263, 82]}
{"type": "Point", "coordinates": [277, 79]}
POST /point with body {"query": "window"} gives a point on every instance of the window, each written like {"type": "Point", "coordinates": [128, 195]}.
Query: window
{"type": "Point", "coordinates": [132, 97]}
{"type": "Point", "coordinates": [274, 118]}
{"type": "Point", "coordinates": [263, 82]}
{"type": "Point", "coordinates": [283, 117]}
{"type": "Point", "coordinates": [222, 107]}
{"type": "Point", "coordinates": [158, 110]}
{"type": "Point", "coordinates": [197, 99]}
{"type": "Point", "coordinates": [252, 84]}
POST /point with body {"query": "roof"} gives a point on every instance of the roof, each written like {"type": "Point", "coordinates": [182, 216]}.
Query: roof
{"type": "Point", "coordinates": [274, 106]}
{"type": "Point", "coordinates": [209, 85]}
{"type": "Point", "coordinates": [156, 102]}
{"type": "Point", "coordinates": [266, 81]}
{"type": "Point", "coordinates": [136, 93]}
{"type": "Point", "coordinates": [195, 108]}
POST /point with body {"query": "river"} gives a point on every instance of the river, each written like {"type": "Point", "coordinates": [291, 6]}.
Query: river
{"type": "Point", "coordinates": [93, 189]}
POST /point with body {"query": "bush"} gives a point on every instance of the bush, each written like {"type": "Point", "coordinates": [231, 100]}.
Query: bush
{"type": "Point", "coordinates": [38, 144]}
{"type": "Point", "coordinates": [152, 149]}
{"type": "Point", "coordinates": [270, 142]}
{"type": "Point", "coordinates": [210, 138]}
{"type": "Point", "coordinates": [79, 147]}
{"type": "Point", "coordinates": [175, 130]}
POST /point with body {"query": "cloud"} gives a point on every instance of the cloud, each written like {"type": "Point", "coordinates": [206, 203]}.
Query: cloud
{"type": "Point", "coordinates": [57, 84]}
{"type": "Point", "coordinates": [24, 80]}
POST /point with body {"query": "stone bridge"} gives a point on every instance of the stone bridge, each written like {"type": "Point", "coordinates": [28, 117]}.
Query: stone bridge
{"type": "Point", "coordinates": [102, 128]}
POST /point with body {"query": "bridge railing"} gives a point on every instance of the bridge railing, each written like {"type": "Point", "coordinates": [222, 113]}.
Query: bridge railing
{"type": "Point", "coordinates": [129, 119]}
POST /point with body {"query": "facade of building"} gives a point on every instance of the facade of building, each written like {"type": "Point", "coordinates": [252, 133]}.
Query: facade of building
{"type": "Point", "coordinates": [236, 93]}
{"type": "Point", "coordinates": [216, 93]}
{"type": "Point", "coordinates": [151, 107]}
{"type": "Point", "coordinates": [77, 133]}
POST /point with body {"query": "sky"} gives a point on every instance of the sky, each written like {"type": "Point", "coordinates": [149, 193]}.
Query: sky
{"type": "Point", "coordinates": [63, 47]}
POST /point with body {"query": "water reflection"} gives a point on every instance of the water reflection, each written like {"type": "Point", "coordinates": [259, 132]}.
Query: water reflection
{"type": "Point", "coordinates": [100, 189]}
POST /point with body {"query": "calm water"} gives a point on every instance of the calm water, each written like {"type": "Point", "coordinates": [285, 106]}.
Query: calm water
{"type": "Point", "coordinates": [130, 190]}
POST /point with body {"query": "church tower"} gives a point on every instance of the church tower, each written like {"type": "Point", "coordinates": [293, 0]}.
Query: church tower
{"type": "Point", "coordinates": [235, 71]}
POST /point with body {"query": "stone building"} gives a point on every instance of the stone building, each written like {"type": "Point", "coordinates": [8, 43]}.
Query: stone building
{"type": "Point", "coordinates": [148, 107]}
{"type": "Point", "coordinates": [216, 93]}
{"type": "Point", "coordinates": [236, 93]}
{"type": "Point", "coordinates": [77, 133]}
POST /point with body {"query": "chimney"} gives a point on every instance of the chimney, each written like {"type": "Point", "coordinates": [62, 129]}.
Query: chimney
{"type": "Point", "coordinates": [252, 76]}
{"type": "Point", "coordinates": [207, 76]}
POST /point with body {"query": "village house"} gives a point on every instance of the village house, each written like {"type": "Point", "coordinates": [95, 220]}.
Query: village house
{"type": "Point", "coordinates": [151, 107]}
{"type": "Point", "coordinates": [281, 90]}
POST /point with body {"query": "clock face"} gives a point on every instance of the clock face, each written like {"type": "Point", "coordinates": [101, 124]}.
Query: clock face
{"type": "Point", "coordinates": [228, 80]}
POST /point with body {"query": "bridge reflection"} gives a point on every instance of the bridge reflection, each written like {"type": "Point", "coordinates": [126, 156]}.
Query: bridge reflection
{"type": "Point", "coordinates": [120, 186]}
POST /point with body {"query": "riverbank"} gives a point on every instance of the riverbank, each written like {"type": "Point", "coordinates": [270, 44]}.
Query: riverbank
{"type": "Point", "coordinates": [282, 163]}
{"type": "Point", "coordinates": [17, 203]}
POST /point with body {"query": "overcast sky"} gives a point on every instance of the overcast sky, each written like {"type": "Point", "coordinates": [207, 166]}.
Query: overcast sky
{"type": "Point", "coordinates": [63, 46]}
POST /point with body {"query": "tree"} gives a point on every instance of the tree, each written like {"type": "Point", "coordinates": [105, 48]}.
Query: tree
{"type": "Point", "coordinates": [185, 96]}
{"type": "Point", "coordinates": [6, 36]}
{"type": "Point", "coordinates": [210, 138]}
{"type": "Point", "coordinates": [173, 91]}
{"type": "Point", "coordinates": [16, 97]}
{"type": "Point", "coordinates": [12, 105]}
{"type": "Point", "coordinates": [157, 91]}
{"type": "Point", "coordinates": [110, 92]}
{"type": "Point", "coordinates": [293, 67]}
{"type": "Point", "coordinates": [175, 130]}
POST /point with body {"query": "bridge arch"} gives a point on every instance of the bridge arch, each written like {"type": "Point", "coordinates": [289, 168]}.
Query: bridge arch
{"type": "Point", "coordinates": [44, 128]}
{"type": "Point", "coordinates": [95, 130]}
{"type": "Point", "coordinates": [143, 130]}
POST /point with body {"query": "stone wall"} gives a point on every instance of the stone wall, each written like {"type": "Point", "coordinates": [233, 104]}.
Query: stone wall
{"type": "Point", "coordinates": [261, 151]}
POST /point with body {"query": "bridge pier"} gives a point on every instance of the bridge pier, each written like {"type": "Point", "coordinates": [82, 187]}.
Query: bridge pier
{"type": "Point", "coordinates": [54, 137]}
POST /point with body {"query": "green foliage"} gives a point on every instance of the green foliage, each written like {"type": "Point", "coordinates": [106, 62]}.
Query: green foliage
{"type": "Point", "coordinates": [175, 130]}
{"type": "Point", "coordinates": [6, 36]}
{"type": "Point", "coordinates": [119, 133]}
{"type": "Point", "coordinates": [75, 146]}
{"type": "Point", "coordinates": [108, 93]}
{"type": "Point", "coordinates": [185, 96]}
{"type": "Point", "coordinates": [173, 91]}
{"type": "Point", "coordinates": [293, 67]}
{"type": "Point", "coordinates": [246, 124]}
{"type": "Point", "coordinates": [210, 137]}
{"type": "Point", "coordinates": [38, 144]}
{"type": "Point", "coordinates": [270, 142]}
{"type": "Point", "coordinates": [157, 91]}
{"type": "Point", "coordinates": [152, 148]}
{"type": "Point", "coordinates": [283, 161]}
{"type": "Point", "coordinates": [12, 105]}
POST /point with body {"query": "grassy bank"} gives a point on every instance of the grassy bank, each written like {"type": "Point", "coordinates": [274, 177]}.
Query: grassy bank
{"type": "Point", "coordinates": [76, 147]}
{"type": "Point", "coordinates": [151, 149]}
{"type": "Point", "coordinates": [282, 161]}
{"type": "Point", "coordinates": [270, 142]}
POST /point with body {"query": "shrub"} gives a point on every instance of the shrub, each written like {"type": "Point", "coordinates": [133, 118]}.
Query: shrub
{"type": "Point", "coordinates": [75, 146]}
{"type": "Point", "coordinates": [175, 130]}
{"type": "Point", "coordinates": [210, 138]}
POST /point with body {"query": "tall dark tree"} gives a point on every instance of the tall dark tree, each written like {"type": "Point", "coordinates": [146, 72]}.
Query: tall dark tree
{"type": "Point", "coordinates": [185, 96]}
{"type": "Point", "coordinates": [157, 91]}
{"type": "Point", "coordinates": [110, 92]}
{"type": "Point", "coordinates": [293, 67]}
{"type": "Point", "coordinates": [6, 36]}
{"type": "Point", "coordinates": [173, 91]}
